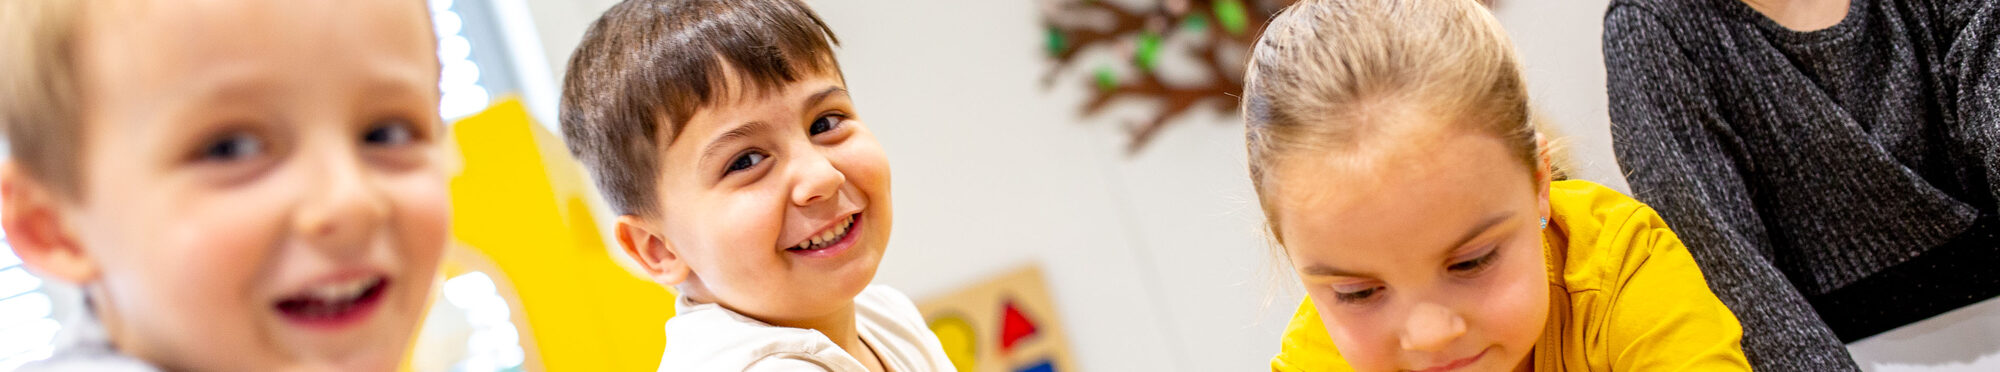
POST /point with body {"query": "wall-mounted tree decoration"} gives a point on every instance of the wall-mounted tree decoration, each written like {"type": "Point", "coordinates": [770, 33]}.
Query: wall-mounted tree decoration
{"type": "Point", "coordinates": [1216, 35]}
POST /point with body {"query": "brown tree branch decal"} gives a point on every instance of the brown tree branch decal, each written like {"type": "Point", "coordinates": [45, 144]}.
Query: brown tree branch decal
{"type": "Point", "coordinates": [1221, 33]}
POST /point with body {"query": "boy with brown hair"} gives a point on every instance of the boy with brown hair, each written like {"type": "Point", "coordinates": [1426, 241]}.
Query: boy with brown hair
{"type": "Point", "coordinates": [723, 134]}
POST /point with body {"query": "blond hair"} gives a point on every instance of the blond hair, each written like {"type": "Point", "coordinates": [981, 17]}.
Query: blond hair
{"type": "Point", "coordinates": [1326, 72]}
{"type": "Point", "coordinates": [38, 89]}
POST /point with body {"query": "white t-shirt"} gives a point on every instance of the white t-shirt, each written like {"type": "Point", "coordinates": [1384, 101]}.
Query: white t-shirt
{"type": "Point", "coordinates": [83, 346]}
{"type": "Point", "coordinates": [707, 337]}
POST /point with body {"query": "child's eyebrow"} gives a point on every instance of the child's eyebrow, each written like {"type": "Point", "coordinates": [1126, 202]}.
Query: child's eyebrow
{"type": "Point", "coordinates": [227, 86]}
{"type": "Point", "coordinates": [1486, 224]}
{"type": "Point", "coordinates": [1324, 270]}
{"type": "Point", "coordinates": [1481, 228]}
{"type": "Point", "coordinates": [816, 98]}
{"type": "Point", "coordinates": [745, 130]}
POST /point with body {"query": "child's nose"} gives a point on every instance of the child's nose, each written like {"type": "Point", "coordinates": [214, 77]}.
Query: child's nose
{"type": "Point", "coordinates": [1430, 328]}
{"type": "Point", "coordinates": [814, 178]}
{"type": "Point", "coordinates": [339, 206]}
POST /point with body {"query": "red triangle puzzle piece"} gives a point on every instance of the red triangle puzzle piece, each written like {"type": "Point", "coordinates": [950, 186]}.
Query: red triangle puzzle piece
{"type": "Point", "coordinates": [1014, 327]}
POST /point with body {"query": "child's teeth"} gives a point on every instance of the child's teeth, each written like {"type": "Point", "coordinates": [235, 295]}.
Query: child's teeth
{"type": "Point", "coordinates": [325, 293]}
{"type": "Point", "coordinates": [828, 236]}
{"type": "Point", "coordinates": [341, 291]}
{"type": "Point", "coordinates": [355, 290]}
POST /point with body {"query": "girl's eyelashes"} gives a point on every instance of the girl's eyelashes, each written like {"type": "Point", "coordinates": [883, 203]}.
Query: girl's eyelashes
{"type": "Point", "coordinates": [825, 123]}
{"type": "Point", "coordinates": [745, 161]}
{"type": "Point", "coordinates": [231, 147]}
{"type": "Point", "coordinates": [1355, 297]}
{"type": "Point", "coordinates": [1475, 264]}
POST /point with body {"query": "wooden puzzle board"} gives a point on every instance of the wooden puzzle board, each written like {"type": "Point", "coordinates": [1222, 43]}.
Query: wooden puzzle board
{"type": "Point", "coordinates": [1006, 324]}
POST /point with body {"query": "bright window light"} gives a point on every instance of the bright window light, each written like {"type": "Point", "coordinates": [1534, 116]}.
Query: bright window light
{"type": "Point", "coordinates": [459, 80]}
{"type": "Point", "coordinates": [494, 344]}
{"type": "Point", "coordinates": [27, 327]}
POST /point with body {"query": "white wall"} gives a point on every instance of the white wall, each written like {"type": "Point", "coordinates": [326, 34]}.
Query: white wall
{"type": "Point", "coordinates": [1560, 43]}
{"type": "Point", "coordinates": [1156, 259]}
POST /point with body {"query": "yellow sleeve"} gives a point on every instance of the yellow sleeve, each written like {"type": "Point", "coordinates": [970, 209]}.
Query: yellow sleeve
{"type": "Point", "coordinates": [1306, 346]}
{"type": "Point", "coordinates": [1663, 316]}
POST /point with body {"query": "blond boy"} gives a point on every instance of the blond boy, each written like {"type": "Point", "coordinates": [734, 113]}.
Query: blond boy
{"type": "Point", "coordinates": [234, 185]}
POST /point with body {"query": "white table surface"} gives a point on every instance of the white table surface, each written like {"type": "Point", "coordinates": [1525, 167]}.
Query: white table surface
{"type": "Point", "coordinates": [1963, 340]}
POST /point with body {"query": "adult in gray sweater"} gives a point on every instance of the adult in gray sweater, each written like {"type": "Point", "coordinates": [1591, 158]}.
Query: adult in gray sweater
{"type": "Point", "coordinates": [1830, 164]}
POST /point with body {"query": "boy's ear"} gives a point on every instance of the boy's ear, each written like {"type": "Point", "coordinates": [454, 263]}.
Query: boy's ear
{"type": "Point", "coordinates": [653, 252]}
{"type": "Point", "coordinates": [31, 213]}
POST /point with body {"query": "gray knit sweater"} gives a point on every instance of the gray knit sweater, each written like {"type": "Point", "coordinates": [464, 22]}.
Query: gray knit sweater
{"type": "Point", "coordinates": [1832, 183]}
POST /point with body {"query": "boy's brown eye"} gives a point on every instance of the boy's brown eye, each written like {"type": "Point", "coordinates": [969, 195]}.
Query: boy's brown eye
{"type": "Point", "coordinates": [235, 146]}
{"type": "Point", "coordinates": [825, 124]}
{"type": "Point", "coordinates": [745, 161]}
{"type": "Point", "coordinates": [390, 133]}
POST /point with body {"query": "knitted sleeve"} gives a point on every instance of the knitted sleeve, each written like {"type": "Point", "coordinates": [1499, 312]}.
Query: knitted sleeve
{"type": "Point", "coordinates": [1971, 64]}
{"type": "Point", "coordinates": [1681, 157]}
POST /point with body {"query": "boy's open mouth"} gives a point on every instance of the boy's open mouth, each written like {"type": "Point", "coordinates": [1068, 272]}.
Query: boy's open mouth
{"type": "Point", "coordinates": [827, 238]}
{"type": "Point", "coordinates": [334, 304]}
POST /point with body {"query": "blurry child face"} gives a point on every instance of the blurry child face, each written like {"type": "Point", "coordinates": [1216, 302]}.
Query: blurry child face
{"type": "Point", "coordinates": [1421, 252]}
{"type": "Point", "coordinates": [778, 205]}
{"type": "Point", "coordinates": [262, 188]}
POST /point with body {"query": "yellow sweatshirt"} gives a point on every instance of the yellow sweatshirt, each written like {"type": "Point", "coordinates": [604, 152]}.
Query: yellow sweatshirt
{"type": "Point", "coordinates": [1624, 295]}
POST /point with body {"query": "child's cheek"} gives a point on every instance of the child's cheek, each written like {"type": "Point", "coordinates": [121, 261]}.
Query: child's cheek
{"type": "Point", "coordinates": [750, 220]}
{"type": "Point", "coordinates": [1366, 344]}
{"type": "Point", "coordinates": [423, 222]}
{"type": "Point", "coordinates": [423, 201]}
{"type": "Point", "coordinates": [220, 245]}
{"type": "Point", "coordinates": [762, 212]}
{"type": "Point", "coordinates": [867, 168]}
{"type": "Point", "coordinates": [1519, 301]}
{"type": "Point", "coordinates": [229, 236]}
{"type": "Point", "coordinates": [864, 163]}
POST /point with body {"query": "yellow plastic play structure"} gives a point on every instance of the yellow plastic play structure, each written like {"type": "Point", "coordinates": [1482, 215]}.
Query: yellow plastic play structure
{"type": "Point", "coordinates": [530, 285]}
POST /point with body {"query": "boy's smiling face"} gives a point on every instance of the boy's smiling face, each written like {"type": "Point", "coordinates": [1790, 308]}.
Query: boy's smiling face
{"type": "Point", "coordinates": [1421, 250]}
{"type": "Point", "coordinates": [263, 188]}
{"type": "Point", "coordinates": [774, 205]}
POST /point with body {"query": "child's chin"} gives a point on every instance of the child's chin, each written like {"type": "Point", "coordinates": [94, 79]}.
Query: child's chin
{"type": "Point", "coordinates": [855, 275]}
{"type": "Point", "coordinates": [376, 345]}
{"type": "Point", "coordinates": [383, 357]}
{"type": "Point", "coordinates": [371, 365]}
{"type": "Point", "coordinates": [832, 291]}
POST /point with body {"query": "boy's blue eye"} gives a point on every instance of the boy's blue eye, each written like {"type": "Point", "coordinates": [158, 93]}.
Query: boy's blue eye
{"type": "Point", "coordinates": [745, 161]}
{"type": "Point", "coordinates": [1357, 296]}
{"type": "Point", "coordinates": [391, 133]}
{"type": "Point", "coordinates": [825, 124]}
{"type": "Point", "coordinates": [236, 146]}
{"type": "Point", "coordinates": [1474, 264]}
